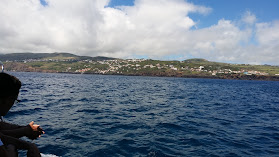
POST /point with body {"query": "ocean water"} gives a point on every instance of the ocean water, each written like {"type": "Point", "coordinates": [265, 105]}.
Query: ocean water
{"type": "Point", "coordinates": [102, 115]}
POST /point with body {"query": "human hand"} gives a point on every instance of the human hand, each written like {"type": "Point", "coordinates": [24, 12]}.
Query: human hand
{"type": "Point", "coordinates": [36, 128]}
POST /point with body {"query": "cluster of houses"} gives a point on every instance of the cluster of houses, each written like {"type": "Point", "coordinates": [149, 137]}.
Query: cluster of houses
{"type": "Point", "coordinates": [46, 60]}
{"type": "Point", "coordinates": [121, 66]}
{"type": "Point", "coordinates": [228, 71]}
{"type": "Point", "coordinates": [113, 66]}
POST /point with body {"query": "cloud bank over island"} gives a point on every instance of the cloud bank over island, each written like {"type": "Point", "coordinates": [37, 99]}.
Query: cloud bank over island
{"type": "Point", "coordinates": [156, 29]}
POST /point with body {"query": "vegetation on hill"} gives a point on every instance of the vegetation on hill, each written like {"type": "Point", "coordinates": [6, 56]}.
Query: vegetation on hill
{"type": "Point", "coordinates": [48, 56]}
{"type": "Point", "coordinates": [201, 68]}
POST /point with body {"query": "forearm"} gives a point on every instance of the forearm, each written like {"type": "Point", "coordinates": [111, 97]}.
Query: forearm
{"type": "Point", "coordinates": [19, 132]}
{"type": "Point", "coordinates": [8, 126]}
{"type": "Point", "coordinates": [23, 131]}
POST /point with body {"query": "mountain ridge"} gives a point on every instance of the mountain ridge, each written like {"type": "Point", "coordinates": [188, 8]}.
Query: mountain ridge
{"type": "Point", "coordinates": [56, 55]}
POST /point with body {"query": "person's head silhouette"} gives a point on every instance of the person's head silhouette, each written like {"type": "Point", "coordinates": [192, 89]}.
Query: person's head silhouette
{"type": "Point", "coordinates": [9, 89]}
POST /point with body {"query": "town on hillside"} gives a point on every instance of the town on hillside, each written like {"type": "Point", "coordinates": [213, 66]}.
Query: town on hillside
{"type": "Point", "coordinates": [143, 67]}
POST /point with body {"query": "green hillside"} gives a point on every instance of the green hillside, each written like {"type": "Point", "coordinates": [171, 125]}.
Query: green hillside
{"type": "Point", "coordinates": [47, 56]}
{"type": "Point", "coordinates": [201, 68]}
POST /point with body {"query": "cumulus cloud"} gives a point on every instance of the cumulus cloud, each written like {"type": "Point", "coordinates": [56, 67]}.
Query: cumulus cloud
{"type": "Point", "coordinates": [249, 18]}
{"type": "Point", "coordinates": [268, 33]}
{"type": "Point", "coordinates": [148, 28]}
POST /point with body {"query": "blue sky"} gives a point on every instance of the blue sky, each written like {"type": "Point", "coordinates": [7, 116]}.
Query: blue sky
{"type": "Point", "coordinates": [235, 31]}
{"type": "Point", "coordinates": [265, 10]}
{"type": "Point", "coordinates": [115, 3]}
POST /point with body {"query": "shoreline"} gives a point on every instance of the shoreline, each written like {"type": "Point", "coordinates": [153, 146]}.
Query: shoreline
{"type": "Point", "coordinates": [223, 77]}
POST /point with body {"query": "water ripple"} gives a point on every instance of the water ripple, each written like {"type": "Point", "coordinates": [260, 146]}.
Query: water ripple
{"type": "Point", "coordinates": [97, 115]}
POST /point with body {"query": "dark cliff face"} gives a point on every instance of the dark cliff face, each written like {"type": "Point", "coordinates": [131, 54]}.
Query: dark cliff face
{"type": "Point", "coordinates": [251, 77]}
{"type": "Point", "coordinates": [231, 77]}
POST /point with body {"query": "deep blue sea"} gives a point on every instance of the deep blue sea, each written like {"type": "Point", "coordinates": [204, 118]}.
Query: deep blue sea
{"type": "Point", "coordinates": [103, 115]}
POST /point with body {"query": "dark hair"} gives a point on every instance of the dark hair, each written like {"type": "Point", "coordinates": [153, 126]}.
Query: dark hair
{"type": "Point", "coordinates": [9, 85]}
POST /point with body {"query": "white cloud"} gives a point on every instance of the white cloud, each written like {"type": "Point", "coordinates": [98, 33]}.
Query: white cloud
{"type": "Point", "coordinates": [268, 33]}
{"type": "Point", "coordinates": [249, 18]}
{"type": "Point", "coordinates": [149, 28]}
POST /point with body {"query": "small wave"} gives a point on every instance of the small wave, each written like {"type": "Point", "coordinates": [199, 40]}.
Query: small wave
{"type": "Point", "coordinates": [89, 111]}
{"type": "Point", "coordinates": [88, 115]}
{"type": "Point", "coordinates": [48, 155]}
{"type": "Point", "coordinates": [171, 126]}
